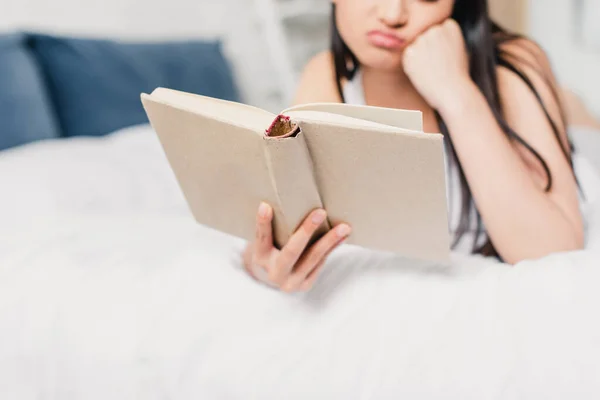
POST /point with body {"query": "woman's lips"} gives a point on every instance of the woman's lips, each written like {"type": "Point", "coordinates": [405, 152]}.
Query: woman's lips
{"type": "Point", "coordinates": [385, 40]}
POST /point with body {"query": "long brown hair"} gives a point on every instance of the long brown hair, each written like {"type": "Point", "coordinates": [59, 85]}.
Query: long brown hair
{"type": "Point", "coordinates": [483, 39]}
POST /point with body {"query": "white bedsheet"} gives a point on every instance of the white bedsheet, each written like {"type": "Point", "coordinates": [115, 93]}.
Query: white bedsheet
{"type": "Point", "coordinates": [108, 290]}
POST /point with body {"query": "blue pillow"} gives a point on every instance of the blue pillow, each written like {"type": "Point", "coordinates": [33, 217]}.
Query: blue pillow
{"type": "Point", "coordinates": [96, 84]}
{"type": "Point", "coordinates": [25, 112]}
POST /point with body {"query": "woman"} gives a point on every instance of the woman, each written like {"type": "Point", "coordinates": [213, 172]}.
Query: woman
{"type": "Point", "coordinates": [491, 94]}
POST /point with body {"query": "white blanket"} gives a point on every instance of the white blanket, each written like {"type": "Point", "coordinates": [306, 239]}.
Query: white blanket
{"type": "Point", "coordinates": [108, 290]}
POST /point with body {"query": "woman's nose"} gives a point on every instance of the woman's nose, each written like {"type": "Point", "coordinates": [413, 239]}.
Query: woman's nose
{"type": "Point", "coordinates": [393, 13]}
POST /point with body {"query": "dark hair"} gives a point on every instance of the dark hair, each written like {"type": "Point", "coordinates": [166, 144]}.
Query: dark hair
{"type": "Point", "coordinates": [483, 40]}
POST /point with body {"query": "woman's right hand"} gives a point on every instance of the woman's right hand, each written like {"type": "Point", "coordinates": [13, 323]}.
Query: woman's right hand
{"type": "Point", "coordinates": [296, 266]}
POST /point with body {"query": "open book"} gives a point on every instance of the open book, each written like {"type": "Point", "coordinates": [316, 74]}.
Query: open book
{"type": "Point", "coordinates": [370, 167]}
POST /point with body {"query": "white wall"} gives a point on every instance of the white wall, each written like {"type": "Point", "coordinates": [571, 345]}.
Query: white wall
{"type": "Point", "coordinates": [554, 24]}
{"type": "Point", "coordinates": [132, 18]}
{"type": "Point", "coordinates": [235, 21]}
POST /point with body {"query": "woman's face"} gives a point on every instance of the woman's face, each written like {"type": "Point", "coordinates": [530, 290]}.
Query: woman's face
{"type": "Point", "coordinates": [377, 31]}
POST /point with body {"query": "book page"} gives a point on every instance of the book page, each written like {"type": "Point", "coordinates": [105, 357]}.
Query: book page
{"type": "Point", "coordinates": [403, 119]}
{"type": "Point", "coordinates": [230, 112]}
{"type": "Point", "coordinates": [343, 120]}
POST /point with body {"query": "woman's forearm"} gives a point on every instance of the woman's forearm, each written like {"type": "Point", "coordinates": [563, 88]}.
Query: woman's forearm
{"type": "Point", "coordinates": [520, 218]}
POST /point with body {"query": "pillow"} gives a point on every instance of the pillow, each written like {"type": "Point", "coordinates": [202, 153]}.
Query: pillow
{"type": "Point", "coordinates": [25, 112]}
{"type": "Point", "coordinates": [96, 84]}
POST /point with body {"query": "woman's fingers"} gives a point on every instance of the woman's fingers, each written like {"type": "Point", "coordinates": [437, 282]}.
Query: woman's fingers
{"type": "Point", "coordinates": [312, 276]}
{"type": "Point", "coordinates": [264, 232]}
{"type": "Point", "coordinates": [294, 267]}
{"type": "Point", "coordinates": [295, 246]}
{"type": "Point", "coordinates": [314, 258]}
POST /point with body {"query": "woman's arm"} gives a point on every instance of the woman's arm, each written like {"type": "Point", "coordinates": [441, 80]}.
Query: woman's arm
{"type": "Point", "coordinates": [522, 219]}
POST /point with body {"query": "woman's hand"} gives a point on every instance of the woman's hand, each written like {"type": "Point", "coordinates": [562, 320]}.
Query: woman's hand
{"type": "Point", "coordinates": [438, 65]}
{"type": "Point", "coordinates": [295, 267]}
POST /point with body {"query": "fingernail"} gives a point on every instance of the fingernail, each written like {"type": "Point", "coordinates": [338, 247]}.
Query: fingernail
{"type": "Point", "coordinates": [263, 209]}
{"type": "Point", "coordinates": [342, 230]}
{"type": "Point", "coordinates": [319, 217]}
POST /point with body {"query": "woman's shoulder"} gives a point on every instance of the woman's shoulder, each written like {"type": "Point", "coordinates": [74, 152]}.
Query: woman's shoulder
{"type": "Point", "coordinates": [534, 61]}
{"type": "Point", "coordinates": [527, 56]}
{"type": "Point", "coordinates": [317, 81]}
{"type": "Point", "coordinates": [525, 67]}
{"type": "Point", "coordinates": [529, 91]}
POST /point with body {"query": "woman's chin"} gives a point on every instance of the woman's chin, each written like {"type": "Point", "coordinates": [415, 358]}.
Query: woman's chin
{"type": "Point", "coordinates": [381, 59]}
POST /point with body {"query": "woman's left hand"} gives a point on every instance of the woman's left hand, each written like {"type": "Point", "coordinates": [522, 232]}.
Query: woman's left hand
{"type": "Point", "coordinates": [438, 65]}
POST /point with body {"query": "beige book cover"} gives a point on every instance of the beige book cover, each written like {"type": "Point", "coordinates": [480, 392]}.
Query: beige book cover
{"type": "Point", "coordinates": [370, 167]}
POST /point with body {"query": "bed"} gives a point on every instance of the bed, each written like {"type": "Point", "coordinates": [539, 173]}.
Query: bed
{"type": "Point", "coordinates": [109, 290]}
